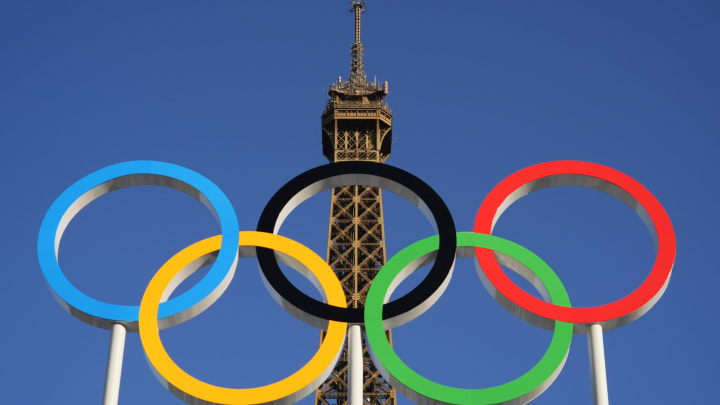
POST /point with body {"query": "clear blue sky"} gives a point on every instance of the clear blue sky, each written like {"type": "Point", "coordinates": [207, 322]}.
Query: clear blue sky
{"type": "Point", "coordinates": [234, 90]}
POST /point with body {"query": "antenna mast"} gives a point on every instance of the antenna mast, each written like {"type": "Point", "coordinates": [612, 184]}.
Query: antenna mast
{"type": "Point", "coordinates": [357, 68]}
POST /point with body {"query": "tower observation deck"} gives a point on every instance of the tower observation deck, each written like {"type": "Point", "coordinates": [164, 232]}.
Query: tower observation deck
{"type": "Point", "coordinates": [356, 126]}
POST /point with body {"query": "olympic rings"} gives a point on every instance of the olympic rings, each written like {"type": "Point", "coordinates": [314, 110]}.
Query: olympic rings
{"type": "Point", "coordinates": [422, 390]}
{"type": "Point", "coordinates": [121, 175]}
{"type": "Point", "coordinates": [286, 391]}
{"type": "Point", "coordinates": [601, 178]}
{"type": "Point", "coordinates": [154, 313]}
{"type": "Point", "coordinates": [386, 177]}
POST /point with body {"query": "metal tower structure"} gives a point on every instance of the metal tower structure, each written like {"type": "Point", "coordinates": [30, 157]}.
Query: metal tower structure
{"type": "Point", "coordinates": [356, 125]}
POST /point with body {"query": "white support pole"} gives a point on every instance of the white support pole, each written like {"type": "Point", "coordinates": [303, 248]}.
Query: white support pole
{"type": "Point", "coordinates": [355, 365]}
{"type": "Point", "coordinates": [598, 374]}
{"type": "Point", "coordinates": [114, 365]}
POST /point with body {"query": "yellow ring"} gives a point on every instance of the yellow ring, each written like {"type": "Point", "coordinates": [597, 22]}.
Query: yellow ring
{"type": "Point", "coordinates": [288, 390]}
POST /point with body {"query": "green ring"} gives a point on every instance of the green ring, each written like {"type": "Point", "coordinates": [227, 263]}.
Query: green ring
{"type": "Point", "coordinates": [420, 389]}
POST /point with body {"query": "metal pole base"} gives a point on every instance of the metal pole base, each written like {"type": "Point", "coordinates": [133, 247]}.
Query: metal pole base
{"type": "Point", "coordinates": [598, 373]}
{"type": "Point", "coordinates": [355, 365]}
{"type": "Point", "coordinates": [114, 365]}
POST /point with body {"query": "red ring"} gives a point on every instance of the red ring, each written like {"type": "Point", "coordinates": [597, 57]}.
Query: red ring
{"type": "Point", "coordinates": [611, 315]}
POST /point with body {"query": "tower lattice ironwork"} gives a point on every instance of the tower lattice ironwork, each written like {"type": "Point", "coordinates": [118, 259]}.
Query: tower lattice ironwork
{"type": "Point", "coordinates": [356, 125]}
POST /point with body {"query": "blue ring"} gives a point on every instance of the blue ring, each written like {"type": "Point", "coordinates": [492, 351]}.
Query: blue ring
{"type": "Point", "coordinates": [103, 314]}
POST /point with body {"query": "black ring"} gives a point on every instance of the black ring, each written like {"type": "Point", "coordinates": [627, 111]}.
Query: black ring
{"type": "Point", "coordinates": [371, 174]}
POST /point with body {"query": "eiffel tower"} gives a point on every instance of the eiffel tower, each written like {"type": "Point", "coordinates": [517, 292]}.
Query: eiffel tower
{"type": "Point", "coordinates": [356, 125]}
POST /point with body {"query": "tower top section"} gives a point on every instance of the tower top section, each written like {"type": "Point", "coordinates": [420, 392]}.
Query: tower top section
{"type": "Point", "coordinates": [356, 121]}
{"type": "Point", "coordinates": [357, 83]}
